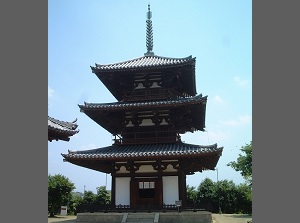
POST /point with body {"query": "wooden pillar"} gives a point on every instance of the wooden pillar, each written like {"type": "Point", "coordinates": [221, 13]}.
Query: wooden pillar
{"type": "Point", "coordinates": [113, 184]}
{"type": "Point", "coordinates": [133, 185]}
{"type": "Point", "coordinates": [159, 188]}
{"type": "Point", "coordinates": [113, 189]}
{"type": "Point", "coordinates": [182, 187]}
{"type": "Point", "coordinates": [133, 192]}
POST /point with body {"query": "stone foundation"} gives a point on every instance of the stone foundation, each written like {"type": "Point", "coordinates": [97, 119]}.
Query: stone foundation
{"type": "Point", "coordinates": [168, 217]}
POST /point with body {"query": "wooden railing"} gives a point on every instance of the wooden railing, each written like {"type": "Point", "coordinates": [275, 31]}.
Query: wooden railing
{"type": "Point", "coordinates": [140, 208]}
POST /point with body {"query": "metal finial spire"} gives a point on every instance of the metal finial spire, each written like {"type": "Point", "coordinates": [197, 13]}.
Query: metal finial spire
{"type": "Point", "coordinates": [149, 33]}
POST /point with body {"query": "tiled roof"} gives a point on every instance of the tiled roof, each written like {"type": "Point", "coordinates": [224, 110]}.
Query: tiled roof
{"type": "Point", "coordinates": [62, 126]}
{"type": "Point", "coordinates": [144, 151]}
{"type": "Point", "coordinates": [144, 62]}
{"type": "Point", "coordinates": [130, 105]}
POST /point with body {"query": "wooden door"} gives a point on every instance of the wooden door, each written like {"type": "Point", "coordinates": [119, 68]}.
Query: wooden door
{"type": "Point", "coordinates": [149, 192]}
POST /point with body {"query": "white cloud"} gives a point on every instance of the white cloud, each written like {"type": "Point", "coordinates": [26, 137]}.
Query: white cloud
{"type": "Point", "coordinates": [50, 92]}
{"type": "Point", "coordinates": [241, 120]}
{"type": "Point", "coordinates": [218, 100]}
{"type": "Point", "coordinates": [240, 82]}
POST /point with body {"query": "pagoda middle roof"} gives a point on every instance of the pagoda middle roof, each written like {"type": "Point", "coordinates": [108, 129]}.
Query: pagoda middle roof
{"type": "Point", "coordinates": [145, 62]}
{"type": "Point", "coordinates": [144, 104]}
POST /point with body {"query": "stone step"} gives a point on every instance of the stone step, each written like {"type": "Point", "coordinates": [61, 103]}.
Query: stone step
{"type": "Point", "coordinates": [138, 221]}
{"type": "Point", "coordinates": [140, 218]}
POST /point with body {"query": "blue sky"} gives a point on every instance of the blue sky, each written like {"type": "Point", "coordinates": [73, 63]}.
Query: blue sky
{"type": "Point", "coordinates": [84, 32]}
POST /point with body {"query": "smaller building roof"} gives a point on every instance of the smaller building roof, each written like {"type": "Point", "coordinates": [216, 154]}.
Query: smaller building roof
{"type": "Point", "coordinates": [61, 130]}
{"type": "Point", "coordinates": [145, 62]}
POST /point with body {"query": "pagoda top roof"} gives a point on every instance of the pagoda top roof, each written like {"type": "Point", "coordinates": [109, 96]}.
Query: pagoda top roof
{"type": "Point", "coordinates": [147, 61]}
{"type": "Point", "coordinates": [61, 129]}
{"type": "Point", "coordinates": [139, 105]}
{"type": "Point", "coordinates": [147, 151]}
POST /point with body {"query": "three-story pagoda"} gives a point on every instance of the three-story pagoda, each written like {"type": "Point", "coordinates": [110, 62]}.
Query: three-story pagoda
{"type": "Point", "coordinates": [156, 102]}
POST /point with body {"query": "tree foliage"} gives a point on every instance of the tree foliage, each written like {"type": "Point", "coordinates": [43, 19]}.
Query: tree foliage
{"type": "Point", "coordinates": [88, 198]}
{"type": "Point", "coordinates": [227, 196]}
{"type": "Point", "coordinates": [244, 163]}
{"type": "Point", "coordinates": [102, 197]}
{"type": "Point", "coordinates": [244, 198]}
{"type": "Point", "coordinates": [227, 192]}
{"type": "Point", "coordinates": [59, 192]}
{"type": "Point", "coordinates": [191, 194]}
{"type": "Point", "coordinates": [75, 201]}
{"type": "Point", "coordinates": [207, 191]}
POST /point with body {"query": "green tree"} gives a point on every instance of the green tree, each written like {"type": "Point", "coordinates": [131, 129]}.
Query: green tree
{"type": "Point", "coordinates": [102, 197]}
{"type": "Point", "coordinates": [244, 199]}
{"type": "Point", "coordinates": [75, 201]}
{"type": "Point", "coordinates": [191, 194]}
{"type": "Point", "coordinates": [244, 163]}
{"type": "Point", "coordinates": [233, 198]}
{"type": "Point", "coordinates": [227, 191]}
{"type": "Point", "coordinates": [59, 192]}
{"type": "Point", "coordinates": [89, 198]}
{"type": "Point", "coordinates": [207, 194]}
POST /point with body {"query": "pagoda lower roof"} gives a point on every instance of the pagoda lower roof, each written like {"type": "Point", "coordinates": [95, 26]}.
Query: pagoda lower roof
{"type": "Point", "coordinates": [61, 130]}
{"type": "Point", "coordinates": [193, 158]}
{"type": "Point", "coordinates": [145, 152]}
{"type": "Point", "coordinates": [145, 62]}
{"type": "Point", "coordinates": [145, 104]}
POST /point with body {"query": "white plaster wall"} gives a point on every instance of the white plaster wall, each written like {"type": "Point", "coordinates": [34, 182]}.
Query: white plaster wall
{"type": "Point", "coordinates": [123, 190]}
{"type": "Point", "coordinates": [170, 189]}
